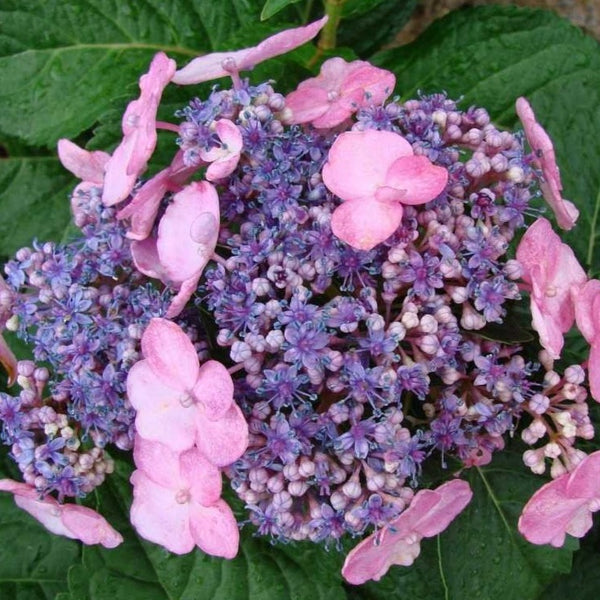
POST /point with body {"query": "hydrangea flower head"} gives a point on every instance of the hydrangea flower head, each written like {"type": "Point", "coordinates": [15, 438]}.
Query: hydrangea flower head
{"type": "Point", "coordinates": [180, 403]}
{"type": "Point", "coordinates": [340, 89]}
{"type": "Point", "coordinates": [565, 211]}
{"type": "Point", "coordinates": [430, 512]}
{"type": "Point", "coordinates": [131, 156]}
{"type": "Point", "coordinates": [553, 272]}
{"type": "Point", "coordinates": [222, 64]}
{"type": "Point", "coordinates": [564, 505]}
{"type": "Point", "coordinates": [376, 173]}
{"type": "Point", "coordinates": [177, 501]}
{"type": "Point", "coordinates": [73, 521]}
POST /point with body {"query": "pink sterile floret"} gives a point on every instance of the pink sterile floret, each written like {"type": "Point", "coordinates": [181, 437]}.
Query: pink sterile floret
{"type": "Point", "coordinates": [186, 239]}
{"type": "Point", "coordinates": [375, 173]}
{"type": "Point", "coordinates": [177, 501]}
{"type": "Point", "coordinates": [565, 211]}
{"type": "Point", "coordinates": [553, 274]}
{"type": "Point", "coordinates": [429, 513]}
{"type": "Point", "coordinates": [73, 521]}
{"type": "Point", "coordinates": [180, 403]}
{"type": "Point", "coordinates": [224, 158]}
{"type": "Point", "coordinates": [88, 166]}
{"type": "Point", "coordinates": [130, 158]}
{"type": "Point", "coordinates": [564, 505]}
{"type": "Point", "coordinates": [340, 89]}
{"type": "Point", "coordinates": [587, 316]}
{"type": "Point", "coordinates": [222, 64]}
{"type": "Point", "coordinates": [7, 357]}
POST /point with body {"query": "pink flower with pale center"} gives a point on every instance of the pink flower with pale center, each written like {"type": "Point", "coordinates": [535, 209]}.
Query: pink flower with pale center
{"type": "Point", "coordinates": [340, 89]}
{"type": "Point", "coordinates": [131, 156]}
{"type": "Point", "coordinates": [224, 158]}
{"type": "Point", "coordinates": [186, 240]}
{"type": "Point", "coordinates": [222, 64]}
{"type": "Point", "coordinates": [564, 505]}
{"type": "Point", "coordinates": [71, 520]}
{"type": "Point", "coordinates": [553, 273]}
{"type": "Point", "coordinates": [565, 211]}
{"type": "Point", "coordinates": [180, 403]}
{"type": "Point", "coordinates": [587, 317]}
{"type": "Point", "coordinates": [375, 173]}
{"type": "Point", "coordinates": [177, 501]}
{"type": "Point", "coordinates": [88, 166]}
{"type": "Point", "coordinates": [429, 513]}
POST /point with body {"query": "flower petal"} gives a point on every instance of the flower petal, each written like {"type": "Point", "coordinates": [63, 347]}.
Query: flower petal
{"type": "Point", "coordinates": [214, 389]}
{"type": "Point", "coordinates": [202, 478]}
{"type": "Point", "coordinates": [365, 223]}
{"type": "Point", "coordinates": [421, 180]}
{"type": "Point", "coordinates": [89, 527]}
{"type": "Point", "coordinates": [223, 441]}
{"type": "Point", "coordinates": [88, 166]}
{"type": "Point", "coordinates": [214, 529]}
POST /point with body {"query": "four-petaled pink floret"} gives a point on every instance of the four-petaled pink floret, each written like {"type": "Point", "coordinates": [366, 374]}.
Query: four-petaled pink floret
{"type": "Point", "coordinates": [376, 173]}
{"type": "Point", "coordinates": [71, 520]}
{"type": "Point", "coordinates": [340, 89]}
{"type": "Point", "coordinates": [429, 513]}
{"type": "Point", "coordinates": [180, 403]}
{"type": "Point", "coordinates": [177, 501]}
{"type": "Point", "coordinates": [553, 275]}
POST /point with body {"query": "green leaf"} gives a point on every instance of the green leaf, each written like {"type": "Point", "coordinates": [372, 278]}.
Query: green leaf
{"type": "Point", "coordinates": [272, 7]}
{"type": "Point", "coordinates": [34, 196]}
{"type": "Point", "coordinates": [138, 569]}
{"type": "Point", "coordinates": [63, 63]}
{"type": "Point", "coordinates": [492, 55]}
{"type": "Point", "coordinates": [369, 25]}
{"type": "Point", "coordinates": [33, 562]}
{"type": "Point", "coordinates": [481, 555]}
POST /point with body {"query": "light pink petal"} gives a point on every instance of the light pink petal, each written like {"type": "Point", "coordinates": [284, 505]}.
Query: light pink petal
{"type": "Point", "coordinates": [161, 416]}
{"type": "Point", "coordinates": [183, 252]}
{"type": "Point", "coordinates": [374, 84]}
{"type": "Point", "coordinates": [8, 361]}
{"type": "Point", "coordinates": [88, 166]}
{"type": "Point", "coordinates": [178, 302]}
{"type": "Point", "coordinates": [143, 208]}
{"type": "Point", "coordinates": [130, 158]}
{"type": "Point", "coordinates": [145, 258]}
{"type": "Point", "coordinates": [158, 462]}
{"type": "Point", "coordinates": [550, 512]}
{"type": "Point", "coordinates": [202, 478]}
{"type": "Point", "coordinates": [223, 441]}
{"type": "Point", "coordinates": [221, 64]}
{"type": "Point", "coordinates": [358, 162]}
{"type": "Point", "coordinates": [565, 211]}
{"type": "Point", "coordinates": [540, 246]}
{"type": "Point", "coordinates": [170, 354]}
{"type": "Point", "coordinates": [223, 167]}
{"type": "Point", "coordinates": [90, 527]}
{"type": "Point", "coordinates": [365, 223]}
{"type": "Point", "coordinates": [371, 560]}
{"type": "Point", "coordinates": [418, 177]}
{"type": "Point", "coordinates": [214, 529]}
{"type": "Point", "coordinates": [214, 389]}
{"type": "Point", "coordinates": [308, 103]}
{"type": "Point", "coordinates": [46, 511]}
{"type": "Point", "coordinates": [587, 309]}
{"type": "Point", "coordinates": [226, 157]}
{"type": "Point", "coordinates": [338, 112]}
{"type": "Point", "coordinates": [549, 332]}
{"type": "Point", "coordinates": [594, 370]}
{"type": "Point", "coordinates": [584, 481]}
{"type": "Point", "coordinates": [158, 517]}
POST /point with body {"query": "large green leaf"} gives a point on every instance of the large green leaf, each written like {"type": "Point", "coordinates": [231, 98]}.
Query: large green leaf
{"type": "Point", "coordinates": [34, 192]}
{"type": "Point", "coordinates": [33, 562]}
{"type": "Point", "coordinates": [138, 569]}
{"type": "Point", "coordinates": [63, 63]}
{"type": "Point", "coordinates": [491, 56]}
{"type": "Point", "coordinates": [481, 555]}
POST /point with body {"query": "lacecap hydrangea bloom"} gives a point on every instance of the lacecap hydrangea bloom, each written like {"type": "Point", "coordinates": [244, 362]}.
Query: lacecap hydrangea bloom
{"type": "Point", "coordinates": [305, 302]}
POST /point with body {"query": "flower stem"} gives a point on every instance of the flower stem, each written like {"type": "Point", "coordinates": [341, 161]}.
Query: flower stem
{"type": "Point", "coordinates": [333, 9]}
